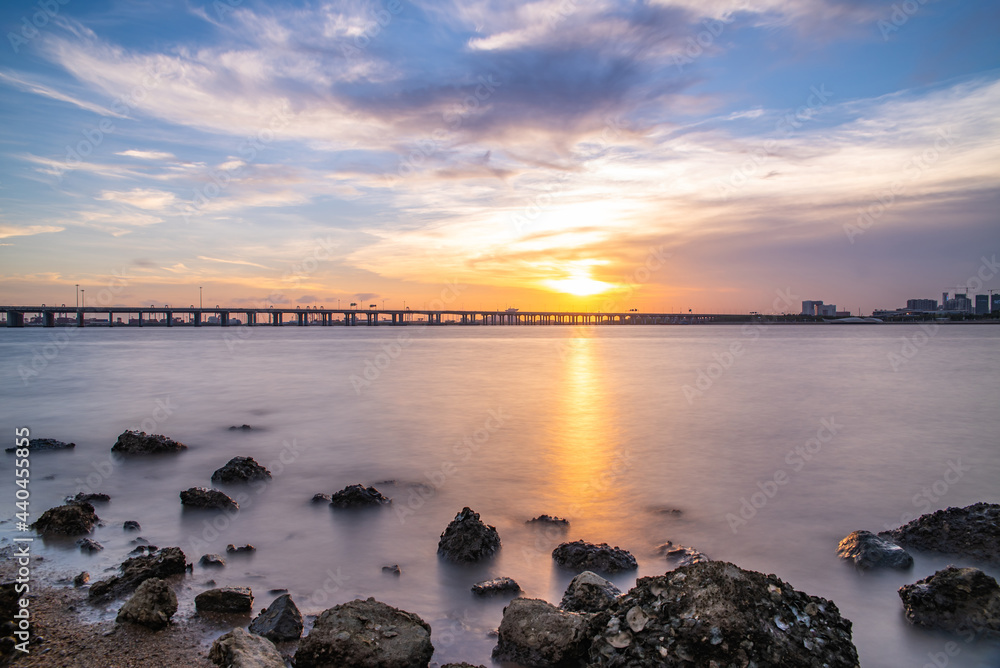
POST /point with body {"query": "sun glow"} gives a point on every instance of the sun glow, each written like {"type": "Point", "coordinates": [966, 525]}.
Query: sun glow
{"type": "Point", "coordinates": [581, 286]}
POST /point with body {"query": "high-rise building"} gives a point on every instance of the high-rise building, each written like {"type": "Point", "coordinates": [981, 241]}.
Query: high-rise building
{"type": "Point", "coordinates": [817, 307]}
{"type": "Point", "coordinates": [960, 302]}
{"type": "Point", "coordinates": [995, 302]}
{"type": "Point", "coordinates": [921, 304]}
{"type": "Point", "coordinates": [982, 304]}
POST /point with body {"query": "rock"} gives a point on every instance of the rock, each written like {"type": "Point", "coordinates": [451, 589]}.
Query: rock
{"type": "Point", "coordinates": [212, 560]}
{"type": "Point", "coordinates": [392, 570]}
{"type": "Point", "coordinates": [536, 633]}
{"type": "Point", "coordinates": [83, 497]}
{"type": "Point", "coordinates": [152, 605]}
{"type": "Point", "coordinates": [239, 649]}
{"type": "Point", "coordinates": [81, 579]}
{"type": "Point", "coordinates": [244, 427]}
{"type": "Point", "coordinates": [973, 531]}
{"type": "Point", "coordinates": [319, 497]}
{"type": "Point", "coordinates": [131, 525]}
{"type": "Point", "coordinates": [589, 592]}
{"type": "Point", "coordinates": [241, 469]}
{"type": "Point", "coordinates": [462, 665]}
{"type": "Point", "coordinates": [678, 555]}
{"type": "Point", "coordinates": [89, 545]}
{"type": "Point", "coordinates": [43, 444]}
{"type": "Point", "coordinates": [869, 551]}
{"type": "Point", "coordinates": [954, 599]}
{"type": "Point", "coordinates": [548, 519]}
{"type": "Point", "coordinates": [716, 614]}
{"type": "Point", "coordinates": [467, 539]}
{"type": "Point", "coordinates": [232, 549]}
{"type": "Point", "coordinates": [279, 621]}
{"type": "Point", "coordinates": [225, 599]}
{"type": "Point", "coordinates": [584, 556]}
{"type": "Point", "coordinates": [366, 634]}
{"type": "Point", "coordinates": [496, 586]}
{"type": "Point", "coordinates": [201, 497]}
{"type": "Point", "coordinates": [72, 519]}
{"type": "Point", "coordinates": [168, 561]}
{"type": "Point", "coordinates": [141, 443]}
{"type": "Point", "coordinates": [357, 496]}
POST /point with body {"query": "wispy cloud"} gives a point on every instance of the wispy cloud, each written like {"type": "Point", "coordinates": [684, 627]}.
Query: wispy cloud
{"type": "Point", "coordinates": [241, 262]}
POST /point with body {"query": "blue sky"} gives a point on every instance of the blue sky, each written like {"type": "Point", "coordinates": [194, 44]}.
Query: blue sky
{"type": "Point", "coordinates": [664, 155]}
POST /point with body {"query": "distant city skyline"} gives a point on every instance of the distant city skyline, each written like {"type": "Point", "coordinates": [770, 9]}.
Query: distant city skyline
{"type": "Point", "coordinates": [663, 155]}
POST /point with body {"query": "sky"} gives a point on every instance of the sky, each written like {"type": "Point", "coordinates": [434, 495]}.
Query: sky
{"type": "Point", "coordinates": [716, 155]}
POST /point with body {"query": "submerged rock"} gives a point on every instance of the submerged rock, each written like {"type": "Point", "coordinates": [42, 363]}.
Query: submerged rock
{"type": "Point", "coordinates": [225, 599]}
{"type": "Point", "coordinates": [357, 496]}
{"type": "Point", "coordinates": [583, 556]}
{"type": "Point", "coordinates": [502, 585]}
{"type": "Point", "coordinates": [131, 525]}
{"type": "Point", "coordinates": [233, 549]}
{"type": "Point", "coordinates": [973, 531]}
{"type": "Point", "coordinates": [202, 497]}
{"type": "Point", "coordinates": [279, 621]}
{"type": "Point", "coordinates": [168, 561]}
{"type": "Point", "coordinates": [869, 551]}
{"type": "Point", "coordinates": [462, 665]}
{"type": "Point", "coordinates": [320, 497]}
{"type": "Point", "coordinates": [43, 444]}
{"type": "Point", "coordinates": [549, 519]}
{"type": "Point", "coordinates": [717, 614]}
{"type": "Point", "coordinates": [366, 634]}
{"type": "Point", "coordinates": [244, 427]}
{"type": "Point", "coordinates": [141, 443]}
{"type": "Point", "coordinates": [678, 555]}
{"type": "Point", "coordinates": [954, 599]}
{"type": "Point", "coordinates": [392, 570]}
{"type": "Point", "coordinates": [152, 605]}
{"type": "Point", "coordinates": [239, 649]}
{"type": "Point", "coordinates": [589, 592]}
{"type": "Point", "coordinates": [536, 633]}
{"type": "Point", "coordinates": [212, 560]}
{"type": "Point", "coordinates": [468, 539]}
{"type": "Point", "coordinates": [241, 469]}
{"type": "Point", "coordinates": [89, 545]}
{"type": "Point", "coordinates": [72, 519]}
{"type": "Point", "coordinates": [92, 497]}
{"type": "Point", "coordinates": [81, 579]}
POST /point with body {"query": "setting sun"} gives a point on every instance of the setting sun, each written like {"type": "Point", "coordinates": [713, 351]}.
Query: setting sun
{"type": "Point", "coordinates": [581, 286]}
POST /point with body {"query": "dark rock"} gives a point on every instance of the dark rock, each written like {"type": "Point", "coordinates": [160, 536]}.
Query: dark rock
{"type": "Point", "coordinates": [244, 427]}
{"type": "Point", "coordinates": [43, 444]}
{"type": "Point", "coordinates": [239, 649]}
{"type": "Point", "coordinates": [168, 561]}
{"type": "Point", "coordinates": [584, 556]}
{"type": "Point", "coordinates": [225, 599]}
{"type": "Point", "coordinates": [89, 545]}
{"type": "Point", "coordinates": [212, 560]}
{"type": "Point", "coordinates": [536, 633]}
{"type": "Point", "coordinates": [241, 469]}
{"type": "Point", "coordinates": [81, 579]}
{"type": "Point", "coordinates": [131, 525]}
{"type": "Point", "coordinates": [83, 497]}
{"type": "Point", "coordinates": [72, 519]}
{"type": "Point", "coordinates": [366, 634]}
{"type": "Point", "coordinates": [392, 570]}
{"type": "Point", "coordinates": [319, 497]}
{"type": "Point", "coordinates": [152, 605]}
{"type": "Point", "coordinates": [141, 443]}
{"type": "Point", "coordinates": [279, 621]}
{"type": "Point", "coordinates": [954, 599]}
{"type": "Point", "coordinates": [357, 496]}
{"type": "Point", "coordinates": [548, 519]}
{"type": "Point", "coordinates": [496, 586]}
{"type": "Point", "coordinates": [467, 539]}
{"type": "Point", "coordinates": [201, 497]}
{"type": "Point", "coordinates": [717, 614]}
{"type": "Point", "coordinates": [678, 555]}
{"type": "Point", "coordinates": [869, 551]}
{"type": "Point", "coordinates": [232, 549]}
{"type": "Point", "coordinates": [589, 592]}
{"type": "Point", "coordinates": [973, 531]}
{"type": "Point", "coordinates": [462, 665]}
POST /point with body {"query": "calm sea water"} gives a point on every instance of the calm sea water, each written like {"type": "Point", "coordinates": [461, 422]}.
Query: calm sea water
{"type": "Point", "coordinates": [610, 427]}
